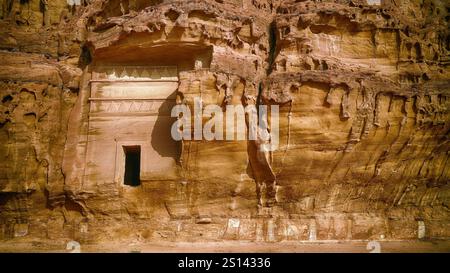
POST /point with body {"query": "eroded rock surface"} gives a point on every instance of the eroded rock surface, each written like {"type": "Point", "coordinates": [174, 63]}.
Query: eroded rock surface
{"type": "Point", "coordinates": [363, 89]}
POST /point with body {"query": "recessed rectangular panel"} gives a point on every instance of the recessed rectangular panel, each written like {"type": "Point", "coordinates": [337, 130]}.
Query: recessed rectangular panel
{"type": "Point", "coordinates": [148, 90]}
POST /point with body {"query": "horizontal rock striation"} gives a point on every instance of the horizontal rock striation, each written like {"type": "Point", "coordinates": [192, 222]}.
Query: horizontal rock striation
{"type": "Point", "coordinates": [363, 89]}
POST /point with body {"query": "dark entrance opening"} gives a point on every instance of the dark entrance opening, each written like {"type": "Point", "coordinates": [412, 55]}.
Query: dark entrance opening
{"type": "Point", "coordinates": [132, 165]}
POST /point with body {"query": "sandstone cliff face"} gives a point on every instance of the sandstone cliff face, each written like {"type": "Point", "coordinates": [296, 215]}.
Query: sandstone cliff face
{"type": "Point", "coordinates": [362, 86]}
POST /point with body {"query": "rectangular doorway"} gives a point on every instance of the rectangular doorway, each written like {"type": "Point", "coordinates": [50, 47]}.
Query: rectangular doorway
{"type": "Point", "coordinates": [132, 165]}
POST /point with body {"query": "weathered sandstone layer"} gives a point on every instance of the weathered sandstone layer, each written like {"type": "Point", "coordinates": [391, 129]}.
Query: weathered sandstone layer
{"type": "Point", "coordinates": [363, 89]}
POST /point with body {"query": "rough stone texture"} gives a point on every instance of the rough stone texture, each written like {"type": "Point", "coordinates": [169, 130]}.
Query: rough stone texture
{"type": "Point", "coordinates": [363, 89]}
